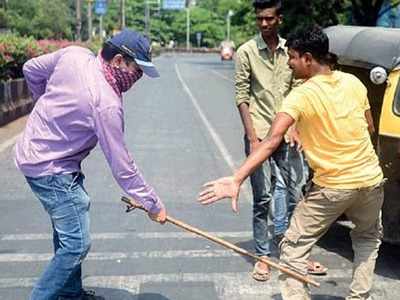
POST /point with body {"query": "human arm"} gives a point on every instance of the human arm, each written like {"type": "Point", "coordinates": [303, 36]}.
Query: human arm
{"type": "Point", "coordinates": [242, 91]}
{"type": "Point", "coordinates": [370, 121]}
{"type": "Point", "coordinates": [228, 187]}
{"type": "Point", "coordinates": [109, 130]}
{"type": "Point", "coordinates": [294, 138]}
{"type": "Point", "coordinates": [248, 126]}
{"type": "Point", "coordinates": [37, 72]}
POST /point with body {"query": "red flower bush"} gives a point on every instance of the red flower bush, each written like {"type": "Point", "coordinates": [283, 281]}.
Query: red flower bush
{"type": "Point", "coordinates": [15, 51]}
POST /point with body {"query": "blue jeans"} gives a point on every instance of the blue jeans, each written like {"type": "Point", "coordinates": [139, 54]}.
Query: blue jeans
{"type": "Point", "coordinates": [67, 203]}
{"type": "Point", "coordinates": [281, 213]}
{"type": "Point", "coordinates": [290, 164]}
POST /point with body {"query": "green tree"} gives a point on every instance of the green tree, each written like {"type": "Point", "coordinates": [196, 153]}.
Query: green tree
{"type": "Point", "coordinates": [53, 19]}
{"type": "Point", "coordinates": [20, 15]}
{"type": "Point", "coordinates": [40, 18]}
{"type": "Point", "coordinates": [3, 18]}
{"type": "Point", "coordinates": [302, 13]}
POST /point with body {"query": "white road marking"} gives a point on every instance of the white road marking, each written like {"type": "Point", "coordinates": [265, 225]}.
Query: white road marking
{"type": "Point", "coordinates": [99, 256]}
{"type": "Point", "coordinates": [235, 286]}
{"type": "Point", "coordinates": [226, 284]}
{"type": "Point", "coordinates": [123, 235]}
{"type": "Point", "coordinates": [10, 142]}
{"type": "Point", "coordinates": [166, 254]}
{"type": "Point", "coordinates": [222, 76]}
{"type": "Point", "coordinates": [216, 138]}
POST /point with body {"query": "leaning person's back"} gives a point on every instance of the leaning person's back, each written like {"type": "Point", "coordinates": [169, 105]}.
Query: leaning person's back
{"type": "Point", "coordinates": [330, 110]}
{"type": "Point", "coordinates": [60, 129]}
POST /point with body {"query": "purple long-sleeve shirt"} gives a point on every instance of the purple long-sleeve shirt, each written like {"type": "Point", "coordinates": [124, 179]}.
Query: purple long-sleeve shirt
{"type": "Point", "coordinates": [75, 108]}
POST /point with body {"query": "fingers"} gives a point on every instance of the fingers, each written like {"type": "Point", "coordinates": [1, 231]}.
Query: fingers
{"type": "Point", "coordinates": [210, 183]}
{"type": "Point", "coordinates": [207, 197]}
{"type": "Point", "coordinates": [235, 205]}
{"type": "Point", "coordinates": [207, 192]}
{"type": "Point", "coordinates": [299, 147]}
{"type": "Point", "coordinates": [292, 142]}
{"type": "Point", "coordinates": [160, 217]}
{"type": "Point", "coordinates": [209, 200]}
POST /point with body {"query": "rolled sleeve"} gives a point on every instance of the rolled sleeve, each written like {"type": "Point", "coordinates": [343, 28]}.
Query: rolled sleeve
{"type": "Point", "coordinates": [109, 127]}
{"type": "Point", "coordinates": [242, 77]}
{"type": "Point", "coordinates": [293, 105]}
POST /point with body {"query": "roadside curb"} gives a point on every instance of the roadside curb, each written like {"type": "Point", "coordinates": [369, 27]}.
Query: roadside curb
{"type": "Point", "coordinates": [14, 100]}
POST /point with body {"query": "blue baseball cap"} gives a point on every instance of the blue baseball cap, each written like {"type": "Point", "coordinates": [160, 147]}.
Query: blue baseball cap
{"type": "Point", "coordinates": [137, 47]}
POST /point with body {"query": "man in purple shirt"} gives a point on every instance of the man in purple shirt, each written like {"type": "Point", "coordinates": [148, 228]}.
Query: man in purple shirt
{"type": "Point", "coordinates": [78, 102]}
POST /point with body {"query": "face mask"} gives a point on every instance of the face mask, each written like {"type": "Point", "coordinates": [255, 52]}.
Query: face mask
{"type": "Point", "coordinates": [120, 80]}
{"type": "Point", "coordinates": [125, 79]}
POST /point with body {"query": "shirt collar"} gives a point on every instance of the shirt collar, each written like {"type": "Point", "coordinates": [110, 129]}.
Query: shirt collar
{"type": "Point", "coordinates": [261, 44]}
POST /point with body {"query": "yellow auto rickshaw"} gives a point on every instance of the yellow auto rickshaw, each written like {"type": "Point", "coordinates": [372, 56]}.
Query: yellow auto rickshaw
{"type": "Point", "coordinates": [373, 55]}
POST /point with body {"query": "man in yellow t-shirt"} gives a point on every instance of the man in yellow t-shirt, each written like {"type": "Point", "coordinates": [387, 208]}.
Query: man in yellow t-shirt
{"type": "Point", "coordinates": [334, 119]}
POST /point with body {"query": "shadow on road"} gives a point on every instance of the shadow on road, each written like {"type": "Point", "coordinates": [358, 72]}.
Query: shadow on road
{"type": "Point", "coordinates": [338, 241]}
{"type": "Point", "coordinates": [120, 294]}
{"type": "Point", "coordinates": [314, 297]}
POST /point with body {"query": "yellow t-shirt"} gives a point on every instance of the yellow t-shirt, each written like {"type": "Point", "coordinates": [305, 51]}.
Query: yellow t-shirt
{"type": "Point", "coordinates": [330, 115]}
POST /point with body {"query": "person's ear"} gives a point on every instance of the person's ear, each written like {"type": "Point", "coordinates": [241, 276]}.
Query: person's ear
{"type": "Point", "coordinates": [280, 19]}
{"type": "Point", "coordinates": [117, 60]}
{"type": "Point", "coordinates": [308, 58]}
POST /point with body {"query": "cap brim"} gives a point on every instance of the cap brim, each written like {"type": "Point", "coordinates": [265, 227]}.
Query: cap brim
{"type": "Point", "coordinates": [148, 68]}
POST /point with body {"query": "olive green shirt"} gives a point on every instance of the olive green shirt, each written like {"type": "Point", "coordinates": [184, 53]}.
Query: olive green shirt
{"type": "Point", "coordinates": [262, 80]}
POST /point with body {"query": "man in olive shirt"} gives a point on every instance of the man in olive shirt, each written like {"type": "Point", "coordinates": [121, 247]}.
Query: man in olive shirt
{"type": "Point", "coordinates": [263, 78]}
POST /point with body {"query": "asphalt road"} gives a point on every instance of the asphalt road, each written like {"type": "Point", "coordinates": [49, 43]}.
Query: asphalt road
{"type": "Point", "coordinates": [183, 130]}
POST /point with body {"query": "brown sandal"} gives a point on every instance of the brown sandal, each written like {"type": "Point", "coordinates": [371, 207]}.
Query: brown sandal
{"type": "Point", "coordinates": [259, 274]}
{"type": "Point", "coordinates": [316, 268]}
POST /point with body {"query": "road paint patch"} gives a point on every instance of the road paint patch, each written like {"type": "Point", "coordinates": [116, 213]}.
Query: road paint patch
{"type": "Point", "coordinates": [100, 256]}
{"type": "Point", "coordinates": [166, 254]}
{"type": "Point", "coordinates": [222, 76]}
{"type": "Point", "coordinates": [216, 138]}
{"type": "Point", "coordinates": [214, 135]}
{"type": "Point", "coordinates": [123, 235]}
{"type": "Point", "coordinates": [232, 286]}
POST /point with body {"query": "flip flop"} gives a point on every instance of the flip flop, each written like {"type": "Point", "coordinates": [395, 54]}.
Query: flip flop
{"type": "Point", "coordinates": [259, 274]}
{"type": "Point", "coordinates": [316, 268]}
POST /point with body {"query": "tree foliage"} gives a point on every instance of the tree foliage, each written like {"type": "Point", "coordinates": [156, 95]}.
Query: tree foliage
{"type": "Point", "coordinates": [40, 18]}
{"type": "Point", "coordinates": [56, 18]}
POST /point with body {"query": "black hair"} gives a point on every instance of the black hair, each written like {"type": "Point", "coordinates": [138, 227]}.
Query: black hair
{"type": "Point", "coordinates": [313, 40]}
{"type": "Point", "coordinates": [109, 50]}
{"type": "Point", "coordinates": [263, 4]}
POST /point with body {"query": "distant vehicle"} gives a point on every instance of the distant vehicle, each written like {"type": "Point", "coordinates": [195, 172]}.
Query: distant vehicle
{"type": "Point", "coordinates": [227, 49]}
{"type": "Point", "coordinates": [373, 55]}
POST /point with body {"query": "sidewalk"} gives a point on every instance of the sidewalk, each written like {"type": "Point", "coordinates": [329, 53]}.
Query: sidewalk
{"type": "Point", "coordinates": [10, 131]}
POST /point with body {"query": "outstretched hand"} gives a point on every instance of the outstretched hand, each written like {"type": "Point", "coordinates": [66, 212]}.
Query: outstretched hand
{"type": "Point", "coordinates": [216, 190]}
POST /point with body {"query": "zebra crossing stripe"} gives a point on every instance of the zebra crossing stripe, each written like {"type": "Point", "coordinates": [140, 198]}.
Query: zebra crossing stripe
{"type": "Point", "coordinates": [123, 235]}
{"type": "Point", "coordinates": [227, 285]}
{"type": "Point", "coordinates": [167, 254]}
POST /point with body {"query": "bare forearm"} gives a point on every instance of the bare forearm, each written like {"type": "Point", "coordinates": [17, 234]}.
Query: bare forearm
{"type": "Point", "coordinates": [255, 159]}
{"type": "Point", "coordinates": [370, 121]}
{"type": "Point", "coordinates": [247, 122]}
{"type": "Point", "coordinates": [275, 135]}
